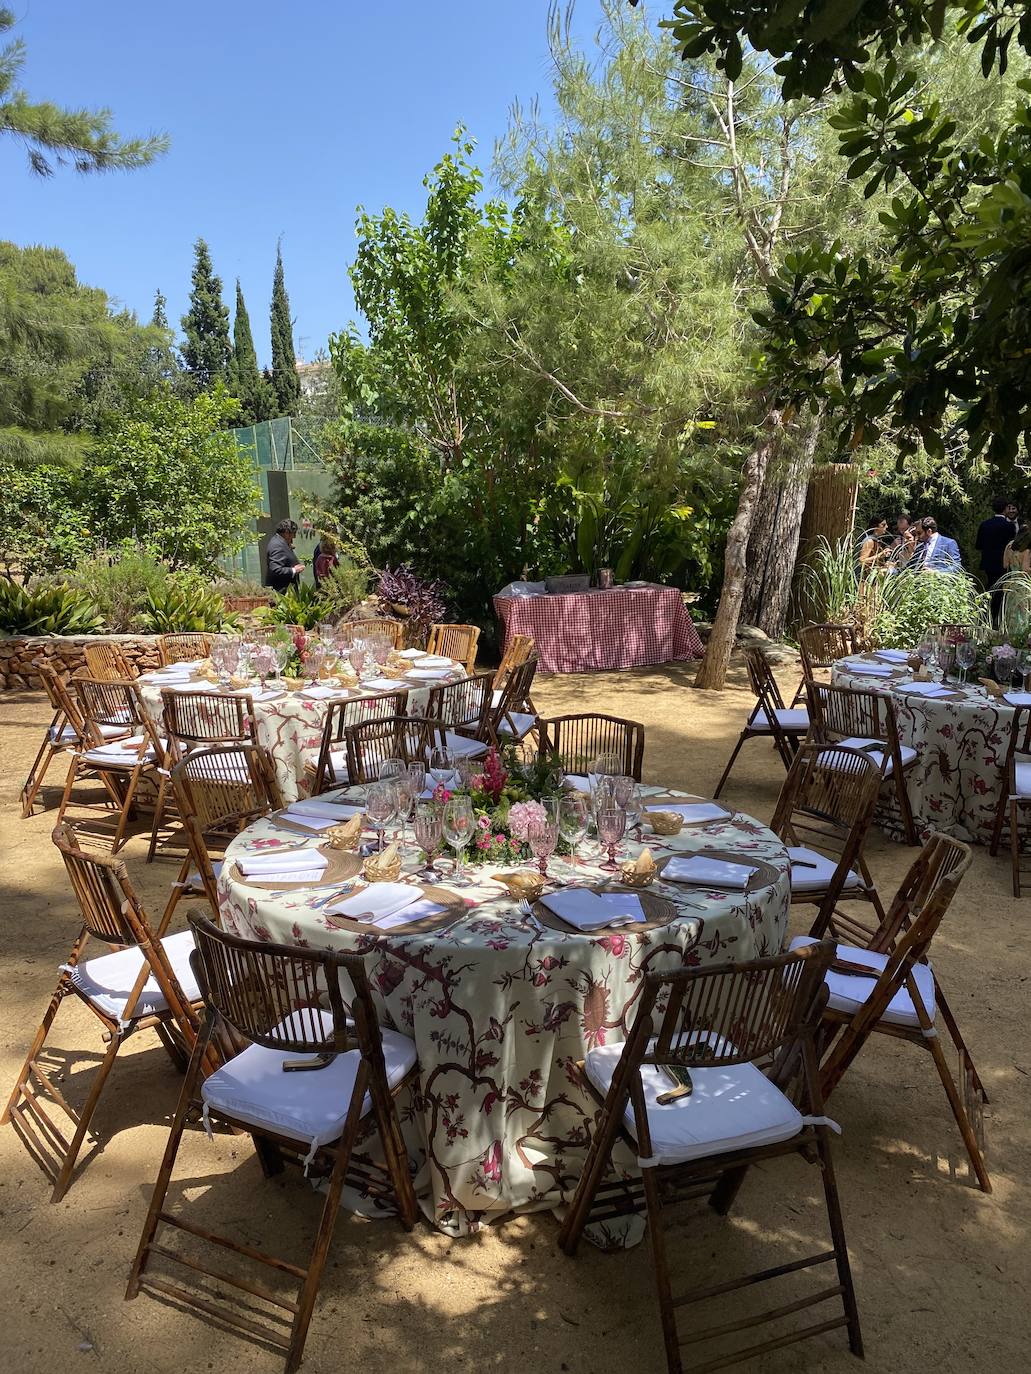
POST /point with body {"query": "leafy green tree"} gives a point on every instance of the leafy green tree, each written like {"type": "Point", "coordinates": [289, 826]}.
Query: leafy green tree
{"type": "Point", "coordinates": [246, 382]}
{"type": "Point", "coordinates": [43, 526]}
{"type": "Point", "coordinates": [168, 476]}
{"type": "Point", "coordinates": [206, 352]}
{"type": "Point", "coordinates": [284, 360]}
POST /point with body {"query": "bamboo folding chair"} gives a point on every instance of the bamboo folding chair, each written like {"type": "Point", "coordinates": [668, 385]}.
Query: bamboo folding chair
{"type": "Point", "coordinates": [455, 641]}
{"type": "Point", "coordinates": [819, 647]}
{"type": "Point", "coordinates": [865, 720]}
{"type": "Point", "coordinates": [576, 741]}
{"type": "Point", "coordinates": [1015, 794]}
{"type": "Point", "coordinates": [218, 792]}
{"type": "Point", "coordinates": [64, 735]}
{"type": "Point", "coordinates": [823, 815]}
{"type": "Point", "coordinates": [686, 1092]}
{"type": "Point", "coordinates": [518, 649]}
{"type": "Point", "coordinates": [465, 709]}
{"type": "Point", "coordinates": [882, 983]}
{"type": "Point", "coordinates": [183, 648]}
{"type": "Point", "coordinates": [309, 1110]}
{"type": "Point", "coordinates": [197, 720]}
{"type": "Point", "coordinates": [147, 983]}
{"type": "Point", "coordinates": [370, 742]}
{"type": "Point", "coordinates": [119, 762]}
{"type": "Point", "coordinates": [769, 717]}
{"type": "Point", "coordinates": [511, 717]}
{"type": "Point", "coordinates": [107, 663]}
{"type": "Point", "coordinates": [393, 629]}
{"type": "Point", "coordinates": [328, 763]}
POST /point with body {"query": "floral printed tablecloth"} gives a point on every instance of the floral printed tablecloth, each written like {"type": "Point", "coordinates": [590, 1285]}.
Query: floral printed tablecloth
{"type": "Point", "coordinates": [290, 725]}
{"type": "Point", "coordinates": [501, 1013]}
{"type": "Point", "coordinates": [961, 745]}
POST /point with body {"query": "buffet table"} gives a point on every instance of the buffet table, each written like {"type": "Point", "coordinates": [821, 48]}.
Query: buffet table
{"type": "Point", "coordinates": [502, 1006]}
{"type": "Point", "coordinates": [622, 627]}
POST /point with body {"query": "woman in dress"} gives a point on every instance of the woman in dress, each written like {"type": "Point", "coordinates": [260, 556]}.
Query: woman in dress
{"type": "Point", "coordinates": [1015, 583]}
{"type": "Point", "coordinates": [1017, 554]}
{"type": "Point", "coordinates": [872, 549]}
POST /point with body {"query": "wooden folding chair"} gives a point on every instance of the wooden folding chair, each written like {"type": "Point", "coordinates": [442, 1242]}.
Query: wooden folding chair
{"type": "Point", "coordinates": [107, 663]}
{"type": "Point", "coordinates": [823, 815]}
{"type": "Point", "coordinates": [884, 984]}
{"type": "Point", "coordinates": [393, 629]}
{"type": "Point", "coordinates": [218, 792]}
{"type": "Point", "coordinates": [465, 709]}
{"type": "Point", "coordinates": [309, 1111]}
{"type": "Point", "coordinates": [119, 762]}
{"type": "Point", "coordinates": [819, 647]}
{"type": "Point", "coordinates": [64, 734]}
{"type": "Point", "coordinates": [577, 740]}
{"type": "Point", "coordinates": [147, 983]}
{"type": "Point", "coordinates": [184, 648]}
{"type": "Point", "coordinates": [1015, 794]}
{"type": "Point", "coordinates": [512, 718]}
{"type": "Point", "coordinates": [688, 1093]}
{"type": "Point", "coordinates": [368, 743]}
{"type": "Point", "coordinates": [865, 720]}
{"type": "Point", "coordinates": [455, 641]}
{"type": "Point", "coordinates": [328, 763]}
{"type": "Point", "coordinates": [769, 717]}
{"type": "Point", "coordinates": [518, 649]}
{"type": "Point", "coordinates": [197, 720]}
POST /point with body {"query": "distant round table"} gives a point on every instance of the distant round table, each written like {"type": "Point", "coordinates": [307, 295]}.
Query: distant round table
{"type": "Point", "coordinates": [960, 742]}
{"type": "Point", "coordinates": [501, 1011]}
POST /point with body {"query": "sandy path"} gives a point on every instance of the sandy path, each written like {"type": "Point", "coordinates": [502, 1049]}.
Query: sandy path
{"type": "Point", "coordinates": [942, 1271]}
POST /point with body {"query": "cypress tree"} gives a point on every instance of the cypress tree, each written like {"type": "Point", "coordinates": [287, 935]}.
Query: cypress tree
{"type": "Point", "coordinates": [160, 317]}
{"type": "Point", "coordinates": [245, 381]}
{"type": "Point", "coordinates": [206, 351]}
{"type": "Point", "coordinates": [284, 361]}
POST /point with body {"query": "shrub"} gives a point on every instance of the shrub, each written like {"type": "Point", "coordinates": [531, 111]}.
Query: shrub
{"type": "Point", "coordinates": [46, 611]}
{"type": "Point", "coordinates": [121, 581]}
{"type": "Point", "coordinates": [299, 605]}
{"type": "Point", "coordinates": [412, 598]}
{"type": "Point", "coordinates": [243, 587]}
{"type": "Point", "coordinates": [345, 586]}
{"type": "Point", "coordinates": [184, 603]}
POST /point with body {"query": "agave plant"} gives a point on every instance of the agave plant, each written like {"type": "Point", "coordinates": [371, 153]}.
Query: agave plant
{"type": "Point", "coordinates": [46, 611]}
{"type": "Point", "coordinates": [179, 606]}
{"type": "Point", "coordinates": [298, 605]}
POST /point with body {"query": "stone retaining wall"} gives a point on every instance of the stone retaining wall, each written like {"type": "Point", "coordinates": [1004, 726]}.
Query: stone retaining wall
{"type": "Point", "coordinates": [18, 653]}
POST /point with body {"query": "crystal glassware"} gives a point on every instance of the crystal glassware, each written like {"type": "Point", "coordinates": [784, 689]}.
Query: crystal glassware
{"type": "Point", "coordinates": [429, 829]}
{"type": "Point", "coordinates": [442, 766]}
{"type": "Point", "coordinates": [966, 656]}
{"type": "Point", "coordinates": [459, 824]}
{"type": "Point", "coordinates": [1003, 666]}
{"type": "Point", "coordinates": [543, 837]}
{"type": "Point", "coordinates": [573, 818]}
{"type": "Point", "coordinates": [611, 829]}
{"type": "Point", "coordinates": [381, 807]}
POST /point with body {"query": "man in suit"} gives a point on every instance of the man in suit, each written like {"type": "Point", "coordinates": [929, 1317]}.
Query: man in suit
{"type": "Point", "coordinates": [993, 535]}
{"type": "Point", "coordinates": [937, 553]}
{"type": "Point", "coordinates": [283, 569]}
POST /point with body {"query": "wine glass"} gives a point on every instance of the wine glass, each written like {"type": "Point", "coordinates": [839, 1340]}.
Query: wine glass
{"type": "Point", "coordinates": [573, 817]}
{"type": "Point", "coordinates": [627, 796]}
{"type": "Point", "coordinates": [391, 769]}
{"type": "Point", "coordinates": [604, 766]}
{"type": "Point", "coordinates": [966, 656]}
{"type": "Point", "coordinates": [1024, 664]}
{"type": "Point", "coordinates": [417, 773]}
{"type": "Point", "coordinates": [442, 766]}
{"type": "Point", "coordinates": [468, 769]}
{"type": "Point", "coordinates": [1003, 664]}
{"type": "Point", "coordinates": [429, 826]}
{"type": "Point", "coordinates": [611, 828]}
{"type": "Point", "coordinates": [459, 824]}
{"type": "Point", "coordinates": [381, 807]}
{"type": "Point", "coordinates": [543, 837]}
{"type": "Point", "coordinates": [407, 791]}
{"type": "Point", "coordinates": [314, 658]}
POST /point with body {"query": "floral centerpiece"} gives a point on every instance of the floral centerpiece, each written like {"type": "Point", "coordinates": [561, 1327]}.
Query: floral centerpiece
{"type": "Point", "coordinates": [506, 799]}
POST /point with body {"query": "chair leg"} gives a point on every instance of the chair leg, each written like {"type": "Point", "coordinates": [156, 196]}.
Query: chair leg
{"type": "Point", "coordinates": [38, 1041]}
{"type": "Point", "coordinates": [159, 811]}
{"type": "Point", "coordinates": [959, 1111]}
{"type": "Point", "coordinates": [1000, 816]}
{"type": "Point", "coordinates": [1014, 848]}
{"type": "Point", "coordinates": [730, 763]}
{"type": "Point", "coordinates": [64, 1177]}
{"type": "Point", "coordinates": [726, 1190]}
{"type": "Point", "coordinates": [664, 1291]}
{"type": "Point", "coordinates": [66, 796]}
{"type": "Point", "coordinates": [174, 897]}
{"type": "Point", "coordinates": [905, 808]}
{"type": "Point", "coordinates": [127, 807]}
{"type": "Point", "coordinates": [830, 1193]}
{"type": "Point", "coordinates": [590, 1180]}
{"type": "Point", "coordinates": [36, 774]}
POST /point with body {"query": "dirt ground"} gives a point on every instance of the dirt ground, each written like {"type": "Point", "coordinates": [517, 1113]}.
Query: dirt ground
{"type": "Point", "coordinates": [941, 1270]}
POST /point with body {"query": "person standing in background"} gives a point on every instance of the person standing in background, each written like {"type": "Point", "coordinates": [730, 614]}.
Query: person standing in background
{"type": "Point", "coordinates": [282, 567]}
{"type": "Point", "coordinates": [325, 559]}
{"type": "Point", "coordinates": [993, 537]}
{"type": "Point", "coordinates": [905, 541]}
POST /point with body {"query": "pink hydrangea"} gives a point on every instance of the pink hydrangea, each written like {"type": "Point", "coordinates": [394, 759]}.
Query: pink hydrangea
{"type": "Point", "coordinates": [523, 816]}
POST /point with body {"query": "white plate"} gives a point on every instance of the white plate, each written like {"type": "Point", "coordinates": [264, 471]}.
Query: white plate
{"type": "Point", "coordinates": [433, 661]}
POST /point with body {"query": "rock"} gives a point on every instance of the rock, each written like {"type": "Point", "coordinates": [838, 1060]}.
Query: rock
{"type": "Point", "coordinates": [751, 632]}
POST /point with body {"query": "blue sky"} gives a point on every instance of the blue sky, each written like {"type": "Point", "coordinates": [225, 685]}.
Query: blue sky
{"type": "Point", "coordinates": [282, 119]}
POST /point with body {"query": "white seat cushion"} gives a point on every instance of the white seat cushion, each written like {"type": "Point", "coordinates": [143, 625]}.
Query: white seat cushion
{"type": "Point", "coordinates": [874, 749]}
{"type": "Point", "coordinates": [812, 871]}
{"type": "Point", "coordinates": [67, 734]}
{"type": "Point", "coordinates": [794, 720]}
{"type": "Point", "coordinates": [108, 980]}
{"type": "Point", "coordinates": [338, 758]}
{"type": "Point", "coordinates": [193, 877]}
{"type": "Point", "coordinates": [517, 725]}
{"type": "Point", "coordinates": [731, 1108]}
{"type": "Point", "coordinates": [311, 1105]}
{"type": "Point", "coordinates": [495, 697]}
{"type": "Point", "coordinates": [1023, 771]}
{"type": "Point", "coordinates": [464, 748]}
{"type": "Point", "coordinates": [848, 991]}
{"type": "Point", "coordinates": [121, 754]}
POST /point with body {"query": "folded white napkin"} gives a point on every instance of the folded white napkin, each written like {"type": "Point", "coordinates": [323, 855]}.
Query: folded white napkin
{"type": "Point", "coordinates": [591, 910]}
{"type": "Point", "coordinates": [927, 689]}
{"type": "Point", "coordinates": [282, 861]}
{"type": "Point", "coordinates": [708, 872]}
{"type": "Point", "coordinates": [270, 694]}
{"type": "Point", "coordinates": [427, 675]}
{"type": "Point", "coordinates": [579, 781]}
{"type": "Point", "coordinates": [434, 661]}
{"type": "Point", "coordinates": [892, 655]}
{"type": "Point", "coordinates": [385, 905]}
{"type": "Point", "coordinates": [852, 665]}
{"type": "Point", "coordinates": [1018, 698]}
{"type": "Point", "coordinates": [384, 684]}
{"type": "Point", "coordinates": [411, 653]}
{"type": "Point", "coordinates": [317, 821]}
{"type": "Point", "coordinates": [320, 692]}
{"type": "Point", "coordinates": [693, 812]}
{"type": "Point", "coordinates": [179, 685]}
{"type": "Point", "coordinates": [318, 806]}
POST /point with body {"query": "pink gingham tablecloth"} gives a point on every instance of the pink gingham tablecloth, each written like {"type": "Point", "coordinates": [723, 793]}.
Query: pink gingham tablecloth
{"type": "Point", "coordinates": [625, 627]}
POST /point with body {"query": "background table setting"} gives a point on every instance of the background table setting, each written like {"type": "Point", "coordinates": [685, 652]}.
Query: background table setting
{"type": "Point", "coordinates": [291, 689]}
{"type": "Point", "coordinates": [959, 730]}
{"type": "Point", "coordinates": [505, 986]}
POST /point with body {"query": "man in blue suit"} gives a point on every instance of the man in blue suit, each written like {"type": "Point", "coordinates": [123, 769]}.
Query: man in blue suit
{"type": "Point", "coordinates": [937, 553]}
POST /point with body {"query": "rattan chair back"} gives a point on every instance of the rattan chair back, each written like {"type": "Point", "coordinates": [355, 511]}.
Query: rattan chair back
{"type": "Point", "coordinates": [394, 630]}
{"type": "Point", "coordinates": [107, 663]}
{"type": "Point", "coordinates": [822, 645]}
{"type": "Point", "coordinates": [340, 716]}
{"type": "Point", "coordinates": [184, 648]}
{"type": "Point", "coordinates": [577, 740]}
{"type": "Point", "coordinates": [370, 742]}
{"type": "Point", "coordinates": [455, 641]}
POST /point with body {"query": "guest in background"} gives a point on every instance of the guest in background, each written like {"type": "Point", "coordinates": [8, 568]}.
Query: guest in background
{"type": "Point", "coordinates": [937, 553]}
{"type": "Point", "coordinates": [325, 559]}
{"type": "Point", "coordinates": [873, 549]}
{"type": "Point", "coordinates": [282, 566]}
{"type": "Point", "coordinates": [1017, 554]}
{"type": "Point", "coordinates": [904, 543]}
{"type": "Point", "coordinates": [993, 535]}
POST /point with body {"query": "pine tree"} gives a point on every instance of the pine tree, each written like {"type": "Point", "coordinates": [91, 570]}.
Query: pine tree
{"type": "Point", "coordinates": [284, 361]}
{"type": "Point", "coordinates": [257, 401]}
{"type": "Point", "coordinates": [206, 351]}
{"type": "Point", "coordinates": [159, 319]}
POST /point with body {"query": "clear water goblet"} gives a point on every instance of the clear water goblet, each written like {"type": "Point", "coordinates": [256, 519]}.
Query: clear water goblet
{"type": "Point", "coordinates": [459, 825]}
{"type": "Point", "coordinates": [381, 807]}
{"type": "Point", "coordinates": [966, 656]}
{"type": "Point", "coordinates": [429, 829]}
{"type": "Point", "coordinates": [573, 819]}
{"type": "Point", "coordinates": [442, 766]}
{"type": "Point", "coordinates": [611, 829]}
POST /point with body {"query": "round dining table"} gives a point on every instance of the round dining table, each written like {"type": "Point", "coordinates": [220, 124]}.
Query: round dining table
{"type": "Point", "coordinates": [503, 1005]}
{"type": "Point", "coordinates": [289, 723]}
{"type": "Point", "coordinates": [960, 735]}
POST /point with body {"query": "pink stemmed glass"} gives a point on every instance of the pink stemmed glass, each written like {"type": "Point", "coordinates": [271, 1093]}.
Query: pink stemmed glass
{"type": "Point", "coordinates": [611, 828]}
{"type": "Point", "coordinates": [543, 838]}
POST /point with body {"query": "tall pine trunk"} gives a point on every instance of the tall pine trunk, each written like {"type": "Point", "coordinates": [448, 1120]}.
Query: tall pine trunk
{"type": "Point", "coordinates": [712, 672]}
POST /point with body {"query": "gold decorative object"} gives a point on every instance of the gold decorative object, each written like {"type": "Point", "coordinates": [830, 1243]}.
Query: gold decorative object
{"type": "Point", "coordinates": [294, 684]}
{"type": "Point", "coordinates": [346, 835]}
{"type": "Point", "coordinates": [239, 683]}
{"type": "Point", "coordinates": [915, 662]}
{"type": "Point", "coordinates": [664, 822]}
{"type": "Point", "coordinates": [521, 885]}
{"type": "Point", "coordinates": [994, 689]}
{"type": "Point", "coordinates": [385, 867]}
{"type": "Point", "coordinates": [639, 872]}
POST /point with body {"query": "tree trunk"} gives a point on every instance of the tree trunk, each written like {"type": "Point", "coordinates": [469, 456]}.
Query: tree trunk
{"type": "Point", "coordinates": [713, 670]}
{"type": "Point", "coordinates": [773, 540]}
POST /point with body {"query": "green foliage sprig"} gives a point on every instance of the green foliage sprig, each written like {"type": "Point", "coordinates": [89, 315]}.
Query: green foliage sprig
{"type": "Point", "coordinates": [46, 611]}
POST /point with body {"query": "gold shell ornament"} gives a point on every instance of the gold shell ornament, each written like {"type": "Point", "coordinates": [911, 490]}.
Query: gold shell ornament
{"type": "Point", "coordinates": [639, 872]}
{"type": "Point", "coordinates": [385, 867]}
